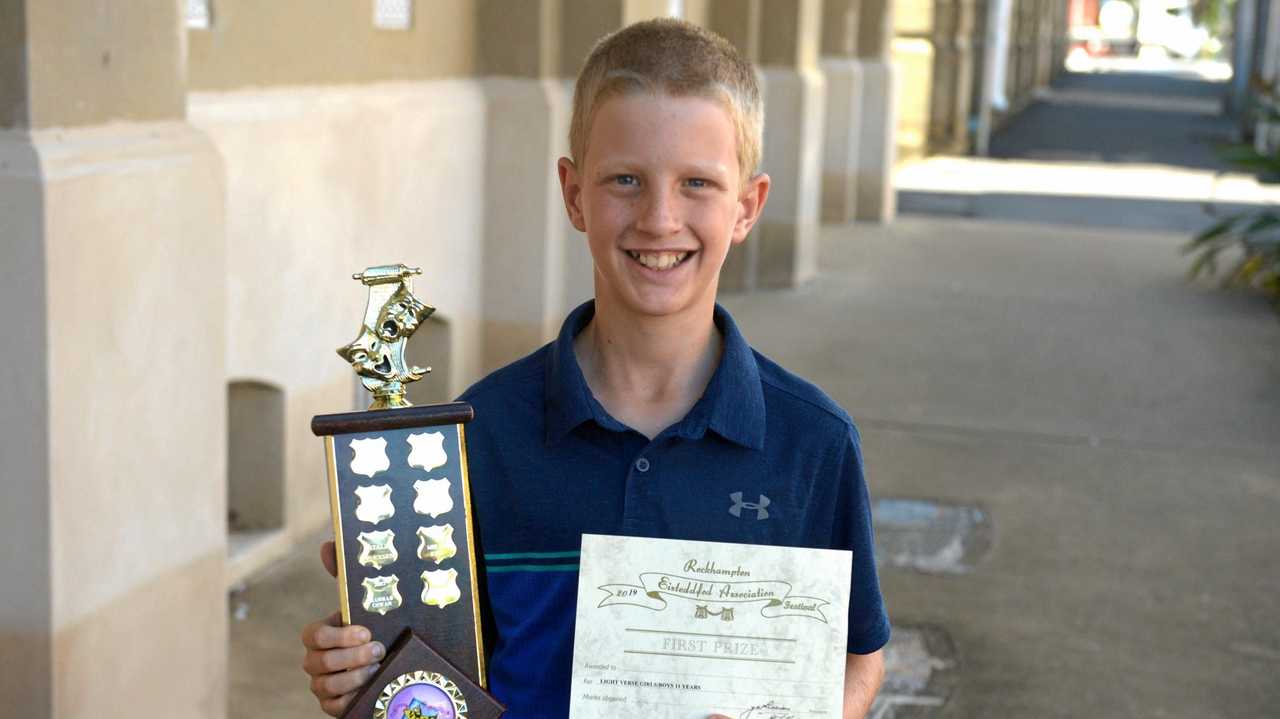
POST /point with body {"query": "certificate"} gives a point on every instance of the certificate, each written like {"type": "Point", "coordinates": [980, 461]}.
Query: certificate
{"type": "Point", "coordinates": [683, 629]}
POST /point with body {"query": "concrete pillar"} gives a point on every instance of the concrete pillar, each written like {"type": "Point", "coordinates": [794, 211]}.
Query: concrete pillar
{"type": "Point", "coordinates": [795, 99]}
{"type": "Point", "coordinates": [113, 523]}
{"type": "Point", "coordinates": [914, 52]}
{"type": "Point", "coordinates": [525, 234]}
{"type": "Point", "coordinates": [954, 76]}
{"type": "Point", "coordinates": [877, 199]}
{"type": "Point", "coordinates": [979, 97]}
{"type": "Point", "coordinates": [843, 126]}
{"type": "Point", "coordinates": [1267, 134]}
{"type": "Point", "coordinates": [1047, 22]}
{"type": "Point", "coordinates": [1244, 34]}
{"type": "Point", "coordinates": [738, 21]}
{"type": "Point", "coordinates": [1061, 39]}
{"type": "Point", "coordinates": [933, 43]}
{"type": "Point", "coordinates": [1258, 61]}
{"type": "Point", "coordinates": [1028, 20]}
{"type": "Point", "coordinates": [1015, 67]}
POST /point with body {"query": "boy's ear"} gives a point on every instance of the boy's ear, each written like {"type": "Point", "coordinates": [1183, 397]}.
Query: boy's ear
{"type": "Point", "coordinates": [571, 189]}
{"type": "Point", "coordinates": [750, 205]}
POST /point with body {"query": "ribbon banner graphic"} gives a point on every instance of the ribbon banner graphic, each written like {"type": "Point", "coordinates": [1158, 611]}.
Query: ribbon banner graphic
{"type": "Point", "coordinates": [657, 588]}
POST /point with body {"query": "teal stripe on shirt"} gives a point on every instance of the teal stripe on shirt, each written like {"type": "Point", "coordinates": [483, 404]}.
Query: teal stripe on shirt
{"type": "Point", "coordinates": [531, 555]}
{"type": "Point", "coordinates": [532, 568]}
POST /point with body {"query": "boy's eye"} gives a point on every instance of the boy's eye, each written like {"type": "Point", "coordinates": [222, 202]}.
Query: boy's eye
{"type": "Point", "coordinates": [626, 180]}
{"type": "Point", "coordinates": [697, 182]}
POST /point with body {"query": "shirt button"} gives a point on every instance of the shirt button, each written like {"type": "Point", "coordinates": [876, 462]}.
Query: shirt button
{"type": "Point", "coordinates": [642, 465]}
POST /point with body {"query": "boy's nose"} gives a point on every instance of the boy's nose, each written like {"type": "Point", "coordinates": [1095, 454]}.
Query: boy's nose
{"type": "Point", "coordinates": [659, 216]}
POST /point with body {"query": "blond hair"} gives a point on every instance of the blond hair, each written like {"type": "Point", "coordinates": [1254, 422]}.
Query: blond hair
{"type": "Point", "coordinates": [673, 57]}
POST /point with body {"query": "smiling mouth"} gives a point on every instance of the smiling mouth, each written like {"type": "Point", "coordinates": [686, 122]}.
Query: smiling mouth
{"type": "Point", "coordinates": [659, 261]}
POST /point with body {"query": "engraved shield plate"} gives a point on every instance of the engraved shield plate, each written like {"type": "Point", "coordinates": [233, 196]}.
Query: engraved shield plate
{"type": "Point", "coordinates": [428, 450]}
{"type": "Point", "coordinates": [377, 549]}
{"type": "Point", "coordinates": [440, 587]}
{"type": "Point", "coordinates": [435, 543]}
{"type": "Point", "coordinates": [375, 503]}
{"type": "Point", "coordinates": [370, 456]}
{"type": "Point", "coordinates": [381, 594]}
{"type": "Point", "coordinates": [433, 497]}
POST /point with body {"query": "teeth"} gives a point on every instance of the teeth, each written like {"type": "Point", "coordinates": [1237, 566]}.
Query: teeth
{"type": "Point", "coordinates": [658, 260]}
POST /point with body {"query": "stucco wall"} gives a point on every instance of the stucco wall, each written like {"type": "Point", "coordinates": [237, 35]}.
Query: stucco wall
{"type": "Point", "coordinates": [116, 504]}
{"type": "Point", "coordinates": [322, 182]}
{"type": "Point", "coordinates": [299, 42]}
{"type": "Point", "coordinates": [90, 63]}
{"type": "Point", "coordinates": [13, 64]}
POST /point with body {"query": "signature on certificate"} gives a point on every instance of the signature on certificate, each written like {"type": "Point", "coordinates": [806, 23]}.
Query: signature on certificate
{"type": "Point", "coordinates": [768, 710]}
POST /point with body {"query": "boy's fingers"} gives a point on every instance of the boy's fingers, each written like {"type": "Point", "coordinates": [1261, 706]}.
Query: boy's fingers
{"type": "Point", "coordinates": [333, 707]}
{"type": "Point", "coordinates": [309, 631]}
{"type": "Point", "coordinates": [324, 635]}
{"type": "Point", "coordinates": [332, 686]}
{"type": "Point", "coordinates": [328, 661]}
{"type": "Point", "coordinates": [329, 558]}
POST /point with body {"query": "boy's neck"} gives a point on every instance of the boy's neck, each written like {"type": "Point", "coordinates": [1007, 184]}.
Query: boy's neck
{"type": "Point", "coordinates": [648, 372]}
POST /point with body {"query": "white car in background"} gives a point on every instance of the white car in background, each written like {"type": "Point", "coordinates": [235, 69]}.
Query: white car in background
{"type": "Point", "coordinates": [1169, 24]}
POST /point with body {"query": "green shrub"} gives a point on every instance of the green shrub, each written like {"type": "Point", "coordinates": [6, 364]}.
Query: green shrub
{"type": "Point", "coordinates": [1252, 238]}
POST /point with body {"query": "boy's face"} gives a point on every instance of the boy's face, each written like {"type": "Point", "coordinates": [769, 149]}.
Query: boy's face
{"type": "Point", "coordinates": [660, 197]}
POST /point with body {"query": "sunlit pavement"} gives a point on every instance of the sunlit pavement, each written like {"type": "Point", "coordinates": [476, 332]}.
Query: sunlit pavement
{"type": "Point", "coordinates": [1100, 436]}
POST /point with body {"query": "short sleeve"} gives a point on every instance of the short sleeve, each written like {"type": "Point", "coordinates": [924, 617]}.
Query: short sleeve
{"type": "Point", "coordinates": [852, 530]}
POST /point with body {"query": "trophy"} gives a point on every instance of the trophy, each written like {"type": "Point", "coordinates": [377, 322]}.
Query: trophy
{"type": "Point", "coordinates": [401, 506]}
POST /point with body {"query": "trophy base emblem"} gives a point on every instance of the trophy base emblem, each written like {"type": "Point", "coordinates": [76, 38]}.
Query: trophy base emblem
{"type": "Point", "coordinates": [414, 682]}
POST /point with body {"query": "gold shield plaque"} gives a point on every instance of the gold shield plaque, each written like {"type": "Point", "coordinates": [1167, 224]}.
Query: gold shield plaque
{"type": "Point", "coordinates": [375, 503]}
{"type": "Point", "coordinates": [377, 549]}
{"type": "Point", "coordinates": [428, 450]}
{"type": "Point", "coordinates": [440, 587]}
{"type": "Point", "coordinates": [435, 543]}
{"type": "Point", "coordinates": [381, 594]}
{"type": "Point", "coordinates": [432, 497]}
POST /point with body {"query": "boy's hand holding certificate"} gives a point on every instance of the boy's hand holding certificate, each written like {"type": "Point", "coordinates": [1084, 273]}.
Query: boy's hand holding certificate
{"type": "Point", "coordinates": [684, 629]}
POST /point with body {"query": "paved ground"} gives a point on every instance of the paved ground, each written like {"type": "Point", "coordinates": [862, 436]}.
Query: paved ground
{"type": "Point", "coordinates": [1114, 427]}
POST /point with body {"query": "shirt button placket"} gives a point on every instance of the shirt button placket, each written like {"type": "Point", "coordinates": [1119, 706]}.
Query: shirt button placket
{"type": "Point", "coordinates": [636, 508]}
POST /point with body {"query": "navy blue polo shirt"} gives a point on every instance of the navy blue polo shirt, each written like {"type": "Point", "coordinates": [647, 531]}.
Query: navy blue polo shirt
{"type": "Point", "coordinates": [548, 463]}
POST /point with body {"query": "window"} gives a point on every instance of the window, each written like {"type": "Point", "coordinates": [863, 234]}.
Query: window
{"type": "Point", "coordinates": [199, 15]}
{"type": "Point", "coordinates": [393, 14]}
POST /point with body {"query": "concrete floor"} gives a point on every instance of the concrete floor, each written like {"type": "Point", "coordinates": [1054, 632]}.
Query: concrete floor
{"type": "Point", "coordinates": [1117, 426]}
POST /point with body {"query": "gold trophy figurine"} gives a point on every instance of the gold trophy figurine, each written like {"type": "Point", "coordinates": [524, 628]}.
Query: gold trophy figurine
{"type": "Point", "coordinates": [390, 318]}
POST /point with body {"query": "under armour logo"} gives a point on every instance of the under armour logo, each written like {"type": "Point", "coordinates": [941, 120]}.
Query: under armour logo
{"type": "Point", "coordinates": [738, 505]}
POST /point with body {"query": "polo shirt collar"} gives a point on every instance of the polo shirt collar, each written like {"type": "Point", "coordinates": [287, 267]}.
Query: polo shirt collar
{"type": "Point", "coordinates": [732, 405]}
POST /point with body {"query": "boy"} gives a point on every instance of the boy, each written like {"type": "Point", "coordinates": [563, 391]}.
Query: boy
{"type": "Point", "coordinates": [650, 412]}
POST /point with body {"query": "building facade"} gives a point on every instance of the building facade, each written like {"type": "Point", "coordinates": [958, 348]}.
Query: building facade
{"type": "Point", "coordinates": [943, 49]}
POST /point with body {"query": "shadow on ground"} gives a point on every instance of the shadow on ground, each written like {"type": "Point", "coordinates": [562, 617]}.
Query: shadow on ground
{"type": "Point", "coordinates": [1122, 118]}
